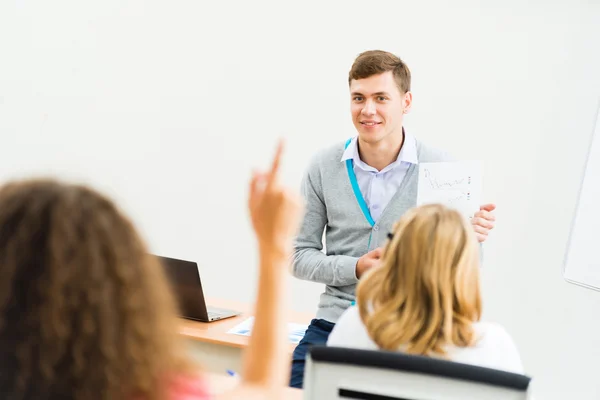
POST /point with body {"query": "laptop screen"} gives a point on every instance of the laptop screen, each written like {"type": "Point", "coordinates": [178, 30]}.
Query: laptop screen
{"type": "Point", "coordinates": [185, 283]}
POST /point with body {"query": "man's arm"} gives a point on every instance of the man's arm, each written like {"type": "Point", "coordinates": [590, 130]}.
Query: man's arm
{"type": "Point", "coordinates": [309, 262]}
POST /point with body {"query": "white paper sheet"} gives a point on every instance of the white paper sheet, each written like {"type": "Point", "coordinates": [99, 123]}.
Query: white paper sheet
{"type": "Point", "coordinates": [455, 184]}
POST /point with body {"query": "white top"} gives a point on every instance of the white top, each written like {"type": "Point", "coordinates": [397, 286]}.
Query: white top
{"type": "Point", "coordinates": [494, 349]}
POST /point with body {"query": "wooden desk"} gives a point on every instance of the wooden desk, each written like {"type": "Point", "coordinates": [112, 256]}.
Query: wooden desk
{"type": "Point", "coordinates": [219, 384]}
{"type": "Point", "coordinates": [214, 348]}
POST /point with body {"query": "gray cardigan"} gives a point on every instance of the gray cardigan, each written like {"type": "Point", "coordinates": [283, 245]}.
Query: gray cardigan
{"type": "Point", "coordinates": [331, 205]}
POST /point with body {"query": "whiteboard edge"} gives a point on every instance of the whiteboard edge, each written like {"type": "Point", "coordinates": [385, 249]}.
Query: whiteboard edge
{"type": "Point", "coordinates": [577, 205]}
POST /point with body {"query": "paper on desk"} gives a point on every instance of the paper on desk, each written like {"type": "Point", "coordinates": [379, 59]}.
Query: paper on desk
{"type": "Point", "coordinates": [295, 331]}
{"type": "Point", "coordinates": [455, 184]}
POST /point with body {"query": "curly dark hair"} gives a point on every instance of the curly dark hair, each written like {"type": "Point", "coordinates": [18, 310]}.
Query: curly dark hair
{"type": "Point", "coordinates": [85, 311]}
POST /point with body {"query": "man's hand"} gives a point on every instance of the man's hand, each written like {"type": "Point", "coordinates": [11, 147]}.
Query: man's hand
{"type": "Point", "coordinates": [368, 261]}
{"type": "Point", "coordinates": [484, 221]}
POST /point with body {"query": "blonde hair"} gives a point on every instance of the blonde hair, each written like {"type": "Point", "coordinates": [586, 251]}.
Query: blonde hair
{"type": "Point", "coordinates": [425, 295]}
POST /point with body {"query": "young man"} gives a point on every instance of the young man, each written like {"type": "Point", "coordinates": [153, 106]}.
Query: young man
{"type": "Point", "coordinates": [357, 189]}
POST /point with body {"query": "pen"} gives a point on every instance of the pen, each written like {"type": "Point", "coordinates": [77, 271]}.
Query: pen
{"type": "Point", "coordinates": [231, 373]}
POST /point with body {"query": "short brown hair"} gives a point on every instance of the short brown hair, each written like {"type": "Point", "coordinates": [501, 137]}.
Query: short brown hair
{"type": "Point", "coordinates": [85, 311]}
{"type": "Point", "coordinates": [375, 62]}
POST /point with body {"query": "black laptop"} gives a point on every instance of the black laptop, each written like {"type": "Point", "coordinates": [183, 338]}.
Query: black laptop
{"type": "Point", "coordinates": [185, 283]}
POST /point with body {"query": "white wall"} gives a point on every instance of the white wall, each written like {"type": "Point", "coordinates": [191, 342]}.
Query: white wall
{"type": "Point", "coordinates": [160, 104]}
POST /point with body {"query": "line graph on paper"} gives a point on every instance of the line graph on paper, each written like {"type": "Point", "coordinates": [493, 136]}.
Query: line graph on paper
{"type": "Point", "coordinates": [454, 184]}
{"type": "Point", "coordinates": [455, 190]}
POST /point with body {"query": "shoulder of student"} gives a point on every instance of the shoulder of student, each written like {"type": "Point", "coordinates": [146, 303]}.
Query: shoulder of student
{"type": "Point", "coordinates": [495, 337]}
{"type": "Point", "coordinates": [493, 331]}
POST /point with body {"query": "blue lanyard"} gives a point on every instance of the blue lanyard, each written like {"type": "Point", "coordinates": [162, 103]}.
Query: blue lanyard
{"type": "Point", "coordinates": [358, 194]}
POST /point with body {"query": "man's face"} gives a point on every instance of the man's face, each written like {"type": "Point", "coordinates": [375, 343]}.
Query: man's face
{"type": "Point", "coordinates": [378, 107]}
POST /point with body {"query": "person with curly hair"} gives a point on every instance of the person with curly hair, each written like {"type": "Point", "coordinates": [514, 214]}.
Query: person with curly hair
{"type": "Point", "coordinates": [87, 313]}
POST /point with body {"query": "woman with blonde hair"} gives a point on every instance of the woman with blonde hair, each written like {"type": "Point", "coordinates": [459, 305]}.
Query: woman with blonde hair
{"type": "Point", "coordinates": [424, 297]}
{"type": "Point", "coordinates": [86, 311]}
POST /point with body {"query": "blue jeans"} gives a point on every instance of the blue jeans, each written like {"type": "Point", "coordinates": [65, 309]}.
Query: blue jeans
{"type": "Point", "coordinates": [317, 333]}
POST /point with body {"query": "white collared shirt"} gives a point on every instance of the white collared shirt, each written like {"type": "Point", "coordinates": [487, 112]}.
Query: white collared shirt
{"type": "Point", "coordinates": [378, 187]}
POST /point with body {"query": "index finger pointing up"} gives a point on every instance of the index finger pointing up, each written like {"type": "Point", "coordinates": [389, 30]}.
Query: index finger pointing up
{"type": "Point", "coordinates": [274, 171]}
